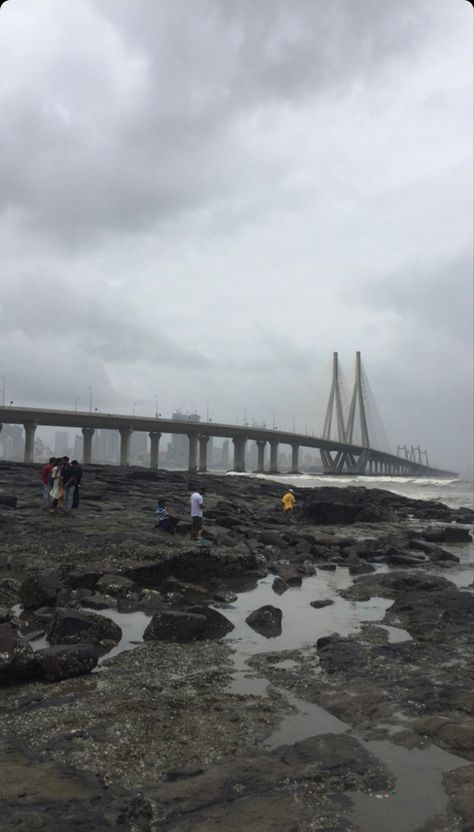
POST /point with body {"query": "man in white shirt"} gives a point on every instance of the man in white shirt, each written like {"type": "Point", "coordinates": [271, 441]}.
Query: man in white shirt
{"type": "Point", "coordinates": [197, 506]}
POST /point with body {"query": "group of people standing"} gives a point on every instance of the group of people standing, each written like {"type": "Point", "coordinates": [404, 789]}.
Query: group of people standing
{"type": "Point", "coordinates": [61, 483]}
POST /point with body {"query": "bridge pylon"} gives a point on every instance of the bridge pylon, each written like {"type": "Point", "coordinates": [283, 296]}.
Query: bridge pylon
{"type": "Point", "coordinates": [357, 399]}
{"type": "Point", "coordinates": [335, 401]}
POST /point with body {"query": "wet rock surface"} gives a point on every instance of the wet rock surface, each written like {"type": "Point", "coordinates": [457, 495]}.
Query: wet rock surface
{"type": "Point", "coordinates": [157, 738]}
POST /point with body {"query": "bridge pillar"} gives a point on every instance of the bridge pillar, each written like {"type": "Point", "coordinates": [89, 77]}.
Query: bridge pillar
{"type": "Point", "coordinates": [274, 443]}
{"type": "Point", "coordinates": [125, 434]}
{"type": "Point", "coordinates": [193, 448]}
{"type": "Point", "coordinates": [154, 448]}
{"type": "Point", "coordinates": [261, 455]}
{"type": "Point", "coordinates": [30, 428]}
{"type": "Point", "coordinates": [239, 453]}
{"type": "Point", "coordinates": [203, 442]}
{"type": "Point", "coordinates": [87, 434]}
{"type": "Point", "coordinates": [295, 450]}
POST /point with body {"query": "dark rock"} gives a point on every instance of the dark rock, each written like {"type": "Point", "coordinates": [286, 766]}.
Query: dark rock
{"type": "Point", "coordinates": [357, 566]}
{"type": "Point", "coordinates": [398, 559]}
{"type": "Point", "coordinates": [270, 538]}
{"type": "Point", "coordinates": [225, 597]}
{"type": "Point", "coordinates": [71, 627]}
{"type": "Point", "coordinates": [17, 661]}
{"type": "Point", "coordinates": [217, 624]}
{"type": "Point", "coordinates": [288, 575]}
{"type": "Point", "coordinates": [341, 655]}
{"type": "Point", "coordinates": [346, 506]}
{"type": "Point", "coordinates": [33, 635]}
{"type": "Point", "coordinates": [40, 591]}
{"type": "Point", "coordinates": [174, 625]}
{"type": "Point", "coordinates": [302, 548]}
{"type": "Point", "coordinates": [266, 621]}
{"type": "Point", "coordinates": [306, 569]}
{"type": "Point", "coordinates": [99, 602]}
{"type": "Point", "coordinates": [449, 534]}
{"type": "Point", "coordinates": [187, 590]}
{"type": "Point", "coordinates": [143, 474]}
{"type": "Point", "coordinates": [320, 604]}
{"type": "Point", "coordinates": [445, 614]}
{"type": "Point", "coordinates": [116, 585]}
{"type": "Point", "coordinates": [65, 661]}
{"type": "Point", "coordinates": [9, 591]}
{"type": "Point", "coordinates": [5, 615]}
{"type": "Point", "coordinates": [80, 579]}
{"type": "Point", "coordinates": [394, 584]}
{"type": "Point", "coordinates": [8, 500]}
{"type": "Point", "coordinates": [435, 553]}
{"type": "Point", "coordinates": [324, 641]}
{"type": "Point", "coordinates": [279, 586]}
{"type": "Point", "coordinates": [327, 567]}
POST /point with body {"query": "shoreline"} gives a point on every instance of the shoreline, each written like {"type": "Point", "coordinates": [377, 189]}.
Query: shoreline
{"type": "Point", "coordinates": [173, 736]}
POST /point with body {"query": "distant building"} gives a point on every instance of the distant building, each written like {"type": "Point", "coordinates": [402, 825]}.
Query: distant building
{"type": "Point", "coordinates": [61, 442]}
{"type": "Point", "coordinates": [12, 442]}
{"type": "Point", "coordinates": [139, 448]}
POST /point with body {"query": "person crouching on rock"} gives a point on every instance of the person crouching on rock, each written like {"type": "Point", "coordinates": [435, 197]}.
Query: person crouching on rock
{"type": "Point", "coordinates": [164, 521]}
{"type": "Point", "coordinates": [288, 502]}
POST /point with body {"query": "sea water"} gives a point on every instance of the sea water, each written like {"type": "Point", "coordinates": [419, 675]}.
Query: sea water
{"type": "Point", "coordinates": [455, 493]}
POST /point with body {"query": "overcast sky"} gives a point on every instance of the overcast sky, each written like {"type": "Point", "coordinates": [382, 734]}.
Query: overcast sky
{"type": "Point", "coordinates": [203, 199]}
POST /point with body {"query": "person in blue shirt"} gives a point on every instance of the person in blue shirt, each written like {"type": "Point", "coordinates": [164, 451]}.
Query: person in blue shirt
{"type": "Point", "coordinates": [164, 521]}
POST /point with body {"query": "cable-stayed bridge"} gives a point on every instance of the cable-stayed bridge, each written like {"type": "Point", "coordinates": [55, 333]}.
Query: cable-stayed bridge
{"type": "Point", "coordinates": [346, 445]}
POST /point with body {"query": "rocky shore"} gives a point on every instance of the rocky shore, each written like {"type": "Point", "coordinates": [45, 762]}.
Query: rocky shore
{"type": "Point", "coordinates": [176, 733]}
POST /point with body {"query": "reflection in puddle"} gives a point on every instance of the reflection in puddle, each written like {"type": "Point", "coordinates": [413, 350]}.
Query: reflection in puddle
{"type": "Point", "coordinates": [302, 624]}
{"type": "Point", "coordinates": [133, 625]}
{"type": "Point", "coordinates": [308, 721]}
{"type": "Point", "coordinates": [418, 794]}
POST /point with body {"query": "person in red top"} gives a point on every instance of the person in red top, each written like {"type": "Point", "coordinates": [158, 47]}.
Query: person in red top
{"type": "Point", "coordinates": [46, 480]}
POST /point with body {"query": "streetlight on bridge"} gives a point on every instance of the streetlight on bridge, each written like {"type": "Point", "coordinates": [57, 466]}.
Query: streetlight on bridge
{"type": "Point", "coordinates": [76, 403]}
{"type": "Point", "coordinates": [133, 408]}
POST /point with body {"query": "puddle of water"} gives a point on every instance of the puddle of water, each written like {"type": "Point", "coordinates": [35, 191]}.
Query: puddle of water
{"type": "Point", "coordinates": [419, 793]}
{"type": "Point", "coordinates": [396, 634]}
{"type": "Point", "coordinates": [462, 575]}
{"type": "Point", "coordinates": [132, 624]}
{"type": "Point", "coordinates": [302, 625]}
{"type": "Point", "coordinates": [308, 721]}
{"type": "Point", "coordinates": [245, 682]}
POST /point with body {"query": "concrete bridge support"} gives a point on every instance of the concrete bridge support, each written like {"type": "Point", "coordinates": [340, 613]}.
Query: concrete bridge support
{"type": "Point", "coordinates": [154, 448]}
{"type": "Point", "coordinates": [203, 443]}
{"type": "Point", "coordinates": [239, 453]}
{"type": "Point", "coordinates": [87, 434]}
{"type": "Point", "coordinates": [193, 452]}
{"type": "Point", "coordinates": [125, 434]}
{"type": "Point", "coordinates": [274, 456]}
{"type": "Point", "coordinates": [295, 450]}
{"type": "Point", "coordinates": [30, 428]}
{"type": "Point", "coordinates": [260, 455]}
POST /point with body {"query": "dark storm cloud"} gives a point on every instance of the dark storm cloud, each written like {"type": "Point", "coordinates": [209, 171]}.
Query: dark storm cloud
{"type": "Point", "coordinates": [140, 129]}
